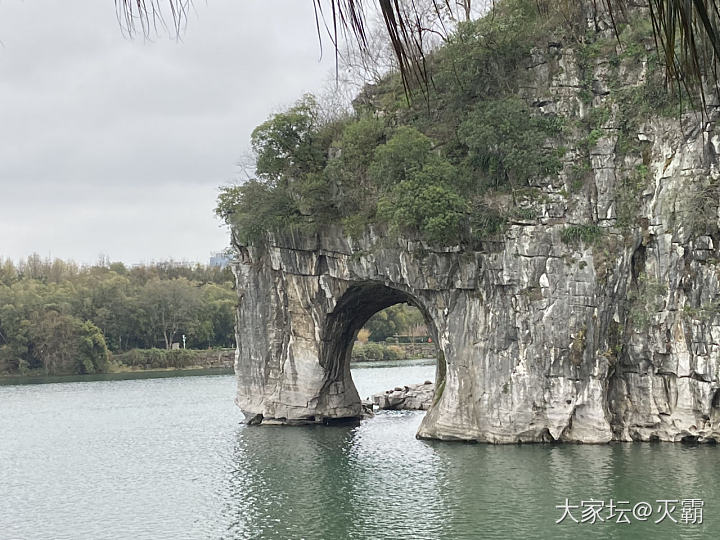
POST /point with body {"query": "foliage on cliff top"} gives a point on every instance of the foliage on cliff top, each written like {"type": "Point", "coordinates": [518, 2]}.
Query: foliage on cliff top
{"type": "Point", "coordinates": [418, 170]}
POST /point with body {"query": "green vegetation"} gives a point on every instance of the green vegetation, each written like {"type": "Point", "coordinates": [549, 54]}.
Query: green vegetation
{"type": "Point", "coordinates": [577, 348]}
{"type": "Point", "coordinates": [159, 358]}
{"type": "Point", "coordinates": [438, 173]}
{"type": "Point", "coordinates": [363, 352]}
{"type": "Point", "coordinates": [507, 143]}
{"type": "Point", "coordinates": [58, 318]}
{"type": "Point", "coordinates": [705, 313]}
{"type": "Point", "coordinates": [399, 319]}
{"type": "Point", "coordinates": [420, 189]}
{"type": "Point", "coordinates": [420, 172]}
{"type": "Point", "coordinates": [697, 206]}
{"type": "Point", "coordinates": [395, 333]}
{"type": "Point", "coordinates": [575, 234]}
{"type": "Point", "coordinates": [459, 167]}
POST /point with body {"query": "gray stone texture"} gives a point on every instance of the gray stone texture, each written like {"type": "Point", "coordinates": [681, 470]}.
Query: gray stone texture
{"type": "Point", "coordinates": [411, 397]}
{"type": "Point", "coordinates": [538, 340]}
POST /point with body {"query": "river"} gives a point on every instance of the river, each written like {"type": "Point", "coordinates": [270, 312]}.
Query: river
{"type": "Point", "coordinates": [168, 459]}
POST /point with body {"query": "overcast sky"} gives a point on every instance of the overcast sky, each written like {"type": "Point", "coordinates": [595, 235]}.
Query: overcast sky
{"type": "Point", "coordinates": [117, 147]}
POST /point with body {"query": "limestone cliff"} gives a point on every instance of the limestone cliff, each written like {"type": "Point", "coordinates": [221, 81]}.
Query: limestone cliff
{"type": "Point", "coordinates": [594, 318]}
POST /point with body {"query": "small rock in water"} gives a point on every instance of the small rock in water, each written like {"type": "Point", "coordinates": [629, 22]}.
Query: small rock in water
{"type": "Point", "coordinates": [410, 397]}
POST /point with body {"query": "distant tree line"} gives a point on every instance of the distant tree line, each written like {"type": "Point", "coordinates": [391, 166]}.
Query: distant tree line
{"type": "Point", "coordinates": [400, 319]}
{"type": "Point", "coordinates": [59, 317]}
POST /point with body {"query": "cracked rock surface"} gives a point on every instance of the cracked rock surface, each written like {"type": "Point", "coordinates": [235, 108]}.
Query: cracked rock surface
{"type": "Point", "coordinates": [539, 339]}
{"type": "Point", "coordinates": [411, 397]}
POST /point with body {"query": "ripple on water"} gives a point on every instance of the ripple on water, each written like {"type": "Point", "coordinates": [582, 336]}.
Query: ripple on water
{"type": "Point", "coordinates": [167, 458]}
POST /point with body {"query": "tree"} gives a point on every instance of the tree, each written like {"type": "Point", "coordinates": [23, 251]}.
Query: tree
{"type": "Point", "coordinates": [431, 23]}
{"type": "Point", "coordinates": [285, 145]}
{"type": "Point", "coordinates": [348, 169]}
{"type": "Point", "coordinates": [62, 343]}
{"type": "Point", "coordinates": [61, 318]}
{"type": "Point", "coordinates": [291, 150]}
{"type": "Point", "coordinates": [397, 319]}
{"type": "Point", "coordinates": [14, 338]}
{"type": "Point", "coordinates": [171, 307]}
{"type": "Point", "coordinates": [8, 272]}
{"type": "Point", "coordinates": [421, 187]}
{"type": "Point", "coordinates": [92, 351]}
{"type": "Point", "coordinates": [217, 319]}
{"type": "Point", "coordinates": [506, 141]}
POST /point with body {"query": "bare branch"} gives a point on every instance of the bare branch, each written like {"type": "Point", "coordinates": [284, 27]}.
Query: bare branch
{"type": "Point", "coordinates": [687, 31]}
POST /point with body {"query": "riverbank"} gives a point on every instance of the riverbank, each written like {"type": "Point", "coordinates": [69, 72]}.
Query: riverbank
{"type": "Point", "coordinates": [386, 351]}
{"type": "Point", "coordinates": [115, 376]}
{"type": "Point", "coordinates": [155, 359]}
{"type": "Point", "coordinates": [119, 372]}
{"type": "Point", "coordinates": [141, 363]}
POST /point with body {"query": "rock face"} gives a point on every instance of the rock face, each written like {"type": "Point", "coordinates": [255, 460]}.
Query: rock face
{"type": "Point", "coordinates": [547, 333]}
{"type": "Point", "coordinates": [411, 397]}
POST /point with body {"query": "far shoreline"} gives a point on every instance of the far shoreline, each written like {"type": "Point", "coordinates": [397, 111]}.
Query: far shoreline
{"type": "Point", "coordinates": [164, 373]}
{"type": "Point", "coordinates": [126, 375]}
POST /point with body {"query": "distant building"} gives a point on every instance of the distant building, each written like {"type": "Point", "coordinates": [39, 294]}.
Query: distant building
{"type": "Point", "coordinates": [219, 259]}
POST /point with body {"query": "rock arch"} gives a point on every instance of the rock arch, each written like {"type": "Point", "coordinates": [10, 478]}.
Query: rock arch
{"type": "Point", "coordinates": [535, 337]}
{"type": "Point", "coordinates": [359, 302]}
{"type": "Point", "coordinates": [299, 314]}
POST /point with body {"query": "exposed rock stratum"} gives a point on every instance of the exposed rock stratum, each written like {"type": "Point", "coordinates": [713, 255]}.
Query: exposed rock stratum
{"type": "Point", "coordinates": [540, 338]}
{"type": "Point", "coordinates": [411, 397]}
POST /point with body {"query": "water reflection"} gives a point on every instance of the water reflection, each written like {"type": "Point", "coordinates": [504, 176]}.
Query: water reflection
{"type": "Point", "coordinates": [335, 482]}
{"type": "Point", "coordinates": [377, 481]}
{"type": "Point", "coordinates": [166, 459]}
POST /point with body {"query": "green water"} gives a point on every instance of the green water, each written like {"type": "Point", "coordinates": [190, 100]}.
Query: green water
{"type": "Point", "coordinates": [168, 459]}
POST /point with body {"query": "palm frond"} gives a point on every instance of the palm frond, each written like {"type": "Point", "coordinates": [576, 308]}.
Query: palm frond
{"type": "Point", "coordinates": [147, 17]}
{"type": "Point", "coordinates": [687, 32]}
{"type": "Point", "coordinates": [402, 23]}
{"type": "Point", "coordinates": [689, 36]}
